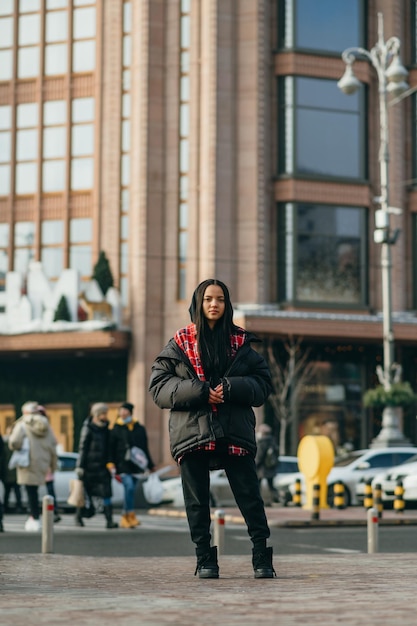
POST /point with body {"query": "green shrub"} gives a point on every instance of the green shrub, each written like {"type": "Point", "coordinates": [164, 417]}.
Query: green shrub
{"type": "Point", "coordinates": [400, 394]}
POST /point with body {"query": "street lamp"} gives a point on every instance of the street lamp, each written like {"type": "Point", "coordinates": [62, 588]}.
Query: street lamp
{"type": "Point", "coordinates": [392, 75]}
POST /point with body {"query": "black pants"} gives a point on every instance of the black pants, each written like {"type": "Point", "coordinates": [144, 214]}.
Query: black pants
{"type": "Point", "coordinates": [33, 499]}
{"type": "Point", "coordinates": [241, 472]}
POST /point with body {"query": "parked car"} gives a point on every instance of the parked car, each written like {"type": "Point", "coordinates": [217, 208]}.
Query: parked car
{"type": "Point", "coordinates": [355, 467]}
{"type": "Point", "coordinates": [65, 472]}
{"type": "Point", "coordinates": [220, 491]}
{"type": "Point", "coordinates": [388, 481]}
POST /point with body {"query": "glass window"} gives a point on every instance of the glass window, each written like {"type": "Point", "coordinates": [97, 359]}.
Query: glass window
{"type": "Point", "coordinates": [125, 174]}
{"type": "Point", "coordinates": [26, 178]}
{"type": "Point", "coordinates": [6, 32]}
{"type": "Point", "coordinates": [24, 234]}
{"type": "Point", "coordinates": [127, 17]}
{"type": "Point", "coordinates": [323, 130]}
{"type": "Point", "coordinates": [82, 110]}
{"type": "Point", "coordinates": [28, 62]}
{"type": "Point", "coordinates": [54, 142]}
{"type": "Point", "coordinates": [4, 180]}
{"type": "Point", "coordinates": [124, 258]}
{"type": "Point", "coordinates": [322, 25]}
{"type": "Point", "coordinates": [5, 146]}
{"type": "Point", "coordinates": [125, 199]}
{"type": "Point", "coordinates": [6, 64]}
{"type": "Point", "coordinates": [78, 3]}
{"type": "Point", "coordinates": [124, 291]}
{"type": "Point", "coordinates": [126, 105]}
{"type": "Point", "coordinates": [29, 29]}
{"type": "Point", "coordinates": [322, 249]}
{"type": "Point", "coordinates": [56, 4]}
{"type": "Point", "coordinates": [28, 6]}
{"type": "Point", "coordinates": [82, 140]}
{"type": "Point", "coordinates": [127, 50]}
{"type": "Point", "coordinates": [124, 227]}
{"type": "Point", "coordinates": [52, 232]}
{"type": "Point", "coordinates": [81, 230]}
{"type": "Point", "coordinates": [81, 259]}
{"type": "Point", "coordinates": [5, 117]}
{"type": "Point", "coordinates": [27, 115]}
{"type": "Point", "coordinates": [83, 56]}
{"type": "Point", "coordinates": [84, 23]}
{"type": "Point", "coordinates": [126, 135]}
{"type": "Point", "coordinates": [56, 60]}
{"type": "Point", "coordinates": [22, 258]}
{"type": "Point", "coordinates": [26, 145]}
{"type": "Point", "coordinates": [53, 176]}
{"type": "Point", "coordinates": [54, 112]}
{"type": "Point", "coordinates": [52, 261]}
{"type": "Point", "coordinates": [82, 175]}
{"type": "Point", "coordinates": [4, 235]}
{"type": "Point", "coordinates": [6, 7]}
{"type": "Point", "coordinates": [56, 26]}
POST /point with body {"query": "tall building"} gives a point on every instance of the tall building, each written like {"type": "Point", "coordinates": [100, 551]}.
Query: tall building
{"type": "Point", "coordinates": [205, 138]}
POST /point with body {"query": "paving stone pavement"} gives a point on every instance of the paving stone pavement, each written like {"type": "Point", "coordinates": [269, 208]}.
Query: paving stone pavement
{"type": "Point", "coordinates": [337, 590]}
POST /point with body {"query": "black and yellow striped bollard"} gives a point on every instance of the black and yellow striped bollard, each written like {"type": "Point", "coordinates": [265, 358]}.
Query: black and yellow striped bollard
{"type": "Point", "coordinates": [378, 499]}
{"type": "Point", "coordinates": [368, 501]}
{"type": "Point", "coordinates": [296, 499]}
{"type": "Point", "coordinates": [399, 503]}
{"type": "Point", "coordinates": [316, 501]}
{"type": "Point", "coordinates": [339, 495]}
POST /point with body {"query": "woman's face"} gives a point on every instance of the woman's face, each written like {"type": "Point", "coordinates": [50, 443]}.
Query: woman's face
{"type": "Point", "coordinates": [213, 304]}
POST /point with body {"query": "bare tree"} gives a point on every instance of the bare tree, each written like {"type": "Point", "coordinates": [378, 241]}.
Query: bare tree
{"type": "Point", "coordinates": [288, 380]}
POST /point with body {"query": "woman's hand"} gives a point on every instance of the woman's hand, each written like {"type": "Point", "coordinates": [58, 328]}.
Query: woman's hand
{"type": "Point", "coordinates": [216, 395]}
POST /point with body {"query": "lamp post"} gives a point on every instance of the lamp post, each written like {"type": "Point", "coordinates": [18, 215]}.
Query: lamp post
{"type": "Point", "coordinates": [385, 58]}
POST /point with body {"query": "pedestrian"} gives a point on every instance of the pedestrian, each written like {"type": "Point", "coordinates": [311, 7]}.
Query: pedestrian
{"type": "Point", "coordinates": [267, 459]}
{"type": "Point", "coordinates": [210, 377]}
{"type": "Point", "coordinates": [130, 458]}
{"type": "Point", "coordinates": [42, 456]}
{"type": "Point", "coordinates": [10, 481]}
{"type": "Point", "coordinates": [94, 450]}
{"type": "Point", "coordinates": [50, 476]}
{"type": "Point", "coordinates": [2, 478]}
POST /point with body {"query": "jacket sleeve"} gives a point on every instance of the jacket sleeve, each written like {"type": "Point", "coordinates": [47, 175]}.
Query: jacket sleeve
{"type": "Point", "coordinates": [252, 388]}
{"type": "Point", "coordinates": [83, 446]}
{"type": "Point", "coordinates": [171, 391]}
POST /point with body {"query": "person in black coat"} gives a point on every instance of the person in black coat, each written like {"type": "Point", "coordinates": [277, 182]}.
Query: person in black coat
{"type": "Point", "coordinates": [92, 462]}
{"type": "Point", "coordinates": [210, 377]}
{"type": "Point", "coordinates": [129, 457]}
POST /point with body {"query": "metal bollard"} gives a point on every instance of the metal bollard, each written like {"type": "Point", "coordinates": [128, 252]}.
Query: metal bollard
{"type": "Point", "coordinates": [316, 502]}
{"type": "Point", "coordinates": [339, 495]}
{"type": "Point", "coordinates": [378, 499]}
{"type": "Point", "coordinates": [399, 503]}
{"type": "Point", "coordinates": [368, 501]}
{"type": "Point", "coordinates": [219, 528]}
{"type": "Point", "coordinates": [296, 499]}
{"type": "Point", "coordinates": [372, 515]}
{"type": "Point", "coordinates": [47, 525]}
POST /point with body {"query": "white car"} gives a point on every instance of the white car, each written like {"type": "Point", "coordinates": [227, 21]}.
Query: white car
{"type": "Point", "coordinates": [220, 491]}
{"type": "Point", "coordinates": [388, 481]}
{"type": "Point", "coordinates": [353, 468]}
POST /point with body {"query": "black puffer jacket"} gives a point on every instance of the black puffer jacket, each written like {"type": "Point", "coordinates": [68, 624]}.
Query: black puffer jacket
{"type": "Point", "coordinates": [174, 385]}
{"type": "Point", "coordinates": [93, 452]}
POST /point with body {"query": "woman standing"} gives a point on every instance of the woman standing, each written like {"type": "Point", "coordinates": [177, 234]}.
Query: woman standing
{"type": "Point", "coordinates": [210, 377]}
{"type": "Point", "coordinates": [92, 469]}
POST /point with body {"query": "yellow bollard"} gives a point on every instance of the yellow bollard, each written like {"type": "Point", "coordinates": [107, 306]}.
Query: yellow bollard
{"type": "Point", "coordinates": [378, 500]}
{"type": "Point", "coordinates": [315, 460]}
{"type": "Point", "coordinates": [339, 495]}
{"type": "Point", "coordinates": [399, 503]}
{"type": "Point", "coordinates": [368, 501]}
{"type": "Point", "coordinates": [296, 498]}
{"type": "Point", "coordinates": [315, 514]}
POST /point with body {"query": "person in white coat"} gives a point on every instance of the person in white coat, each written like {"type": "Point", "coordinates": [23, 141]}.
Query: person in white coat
{"type": "Point", "coordinates": [42, 456]}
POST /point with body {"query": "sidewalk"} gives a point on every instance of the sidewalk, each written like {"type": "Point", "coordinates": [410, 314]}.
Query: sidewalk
{"type": "Point", "coordinates": [295, 517]}
{"type": "Point", "coordinates": [342, 590]}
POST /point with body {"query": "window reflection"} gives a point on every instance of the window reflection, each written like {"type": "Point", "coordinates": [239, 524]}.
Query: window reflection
{"type": "Point", "coordinates": [322, 250]}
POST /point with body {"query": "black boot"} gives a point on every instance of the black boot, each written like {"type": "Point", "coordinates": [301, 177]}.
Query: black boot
{"type": "Point", "coordinates": [262, 563]}
{"type": "Point", "coordinates": [207, 566]}
{"type": "Point", "coordinates": [79, 518]}
{"type": "Point", "coordinates": [108, 514]}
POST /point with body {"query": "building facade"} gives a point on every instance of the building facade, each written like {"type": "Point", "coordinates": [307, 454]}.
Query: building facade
{"type": "Point", "coordinates": [198, 138]}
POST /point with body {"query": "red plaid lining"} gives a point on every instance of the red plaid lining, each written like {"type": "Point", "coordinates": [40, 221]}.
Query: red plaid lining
{"type": "Point", "coordinates": [186, 340]}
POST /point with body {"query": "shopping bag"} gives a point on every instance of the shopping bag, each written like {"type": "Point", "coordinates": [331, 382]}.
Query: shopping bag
{"type": "Point", "coordinates": [76, 496]}
{"type": "Point", "coordinates": [153, 489]}
{"type": "Point", "coordinates": [20, 458]}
